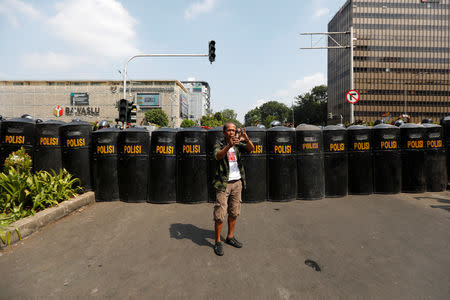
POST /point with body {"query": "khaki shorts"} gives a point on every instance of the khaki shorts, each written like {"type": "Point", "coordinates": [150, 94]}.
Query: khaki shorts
{"type": "Point", "coordinates": [228, 201]}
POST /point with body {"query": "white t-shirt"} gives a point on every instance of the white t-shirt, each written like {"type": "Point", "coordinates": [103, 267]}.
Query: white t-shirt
{"type": "Point", "coordinates": [234, 168]}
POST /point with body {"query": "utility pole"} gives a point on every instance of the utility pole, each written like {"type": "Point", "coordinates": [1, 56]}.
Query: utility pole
{"type": "Point", "coordinates": [336, 45]}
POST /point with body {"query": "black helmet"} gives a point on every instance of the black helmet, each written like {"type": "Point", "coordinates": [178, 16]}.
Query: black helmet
{"type": "Point", "coordinates": [399, 123]}
{"type": "Point", "coordinates": [76, 120]}
{"type": "Point", "coordinates": [427, 120]}
{"type": "Point", "coordinates": [39, 121]}
{"type": "Point", "coordinates": [103, 124]}
{"type": "Point", "coordinates": [27, 116]}
{"type": "Point", "coordinates": [377, 122]}
{"type": "Point", "coordinates": [275, 123]}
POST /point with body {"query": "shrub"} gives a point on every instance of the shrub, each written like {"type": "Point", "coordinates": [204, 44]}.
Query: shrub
{"type": "Point", "coordinates": [19, 160]}
{"type": "Point", "coordinates": [157, 117]}
{"type": "Point", "coordinates": [23, 193]}
{"type": "Point", "coordinates": [188, 123]}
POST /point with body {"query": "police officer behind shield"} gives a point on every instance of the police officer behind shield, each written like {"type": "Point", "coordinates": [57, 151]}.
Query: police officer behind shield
{"type": "Point", "coordinates": [228, 182]}
{"type": "Point", "coordinates": [103, 124]}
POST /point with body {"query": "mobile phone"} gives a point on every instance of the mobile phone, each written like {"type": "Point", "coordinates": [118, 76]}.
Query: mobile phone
{"type": "Point", "coordinates": [238, 133]}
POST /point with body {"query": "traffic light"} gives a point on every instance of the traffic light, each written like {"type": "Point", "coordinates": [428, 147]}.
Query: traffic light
{"type": "Point", "coordinates": [123, 110]}
{"type": "Point", "coordinates": [131, 113]}
{"type": "Point", "coordinates": [212, 51]}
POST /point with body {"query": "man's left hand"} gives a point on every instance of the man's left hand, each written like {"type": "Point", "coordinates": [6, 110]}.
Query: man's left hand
{"type": "Point", "coordinates": [244, 136]}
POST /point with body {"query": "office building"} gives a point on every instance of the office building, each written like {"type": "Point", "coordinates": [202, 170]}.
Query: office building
{"type": "Point", "coordinates": [401, 59]}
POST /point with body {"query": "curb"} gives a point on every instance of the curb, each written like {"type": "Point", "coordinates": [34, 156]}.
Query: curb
{"type": "Point", "coordinates": [31, 224]}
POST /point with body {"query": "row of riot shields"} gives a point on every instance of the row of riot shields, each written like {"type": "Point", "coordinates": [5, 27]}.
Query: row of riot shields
{"type": "Point", "coordinates": [52, 145]}
{"type": "Point", "coordinates": [178, 165]}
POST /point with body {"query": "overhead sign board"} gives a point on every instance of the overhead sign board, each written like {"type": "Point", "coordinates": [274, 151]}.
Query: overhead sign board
{"type": "Point", "coordinates": [352, 96]}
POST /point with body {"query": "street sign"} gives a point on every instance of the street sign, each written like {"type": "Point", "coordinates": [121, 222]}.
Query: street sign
{"type": "Point", "coordinates": [352, 96]}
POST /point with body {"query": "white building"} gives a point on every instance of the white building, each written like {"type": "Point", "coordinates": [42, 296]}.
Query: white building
{"type": "Point", "coordinates": [199, 98]}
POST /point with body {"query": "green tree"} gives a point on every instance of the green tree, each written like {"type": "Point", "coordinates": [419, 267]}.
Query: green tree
{"type": "Point", "coordinates": [228, 115]}
{"type": "Point", "coordinates": [253, 117]}
{"type": "Point", "coordinates": [268, 112]}
{"type": "Point", "coordinates": [311, 107]}
{"type": "Point", "coordinates": [188, 123]}
{"type": "Point", "coordinates": [210, 121]}
{"type": "Point", "coordinates": [220, 118]}
{"type": "Point", "coordinates": [279, 110]}
{"type": "Point", "coordinates": [157, 117]}
{"type": "Point", "coordinates": [269, 119]}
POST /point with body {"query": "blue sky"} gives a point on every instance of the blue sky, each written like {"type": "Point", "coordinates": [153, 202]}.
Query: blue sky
{"type": "Point", "coordinates": [258, 56]}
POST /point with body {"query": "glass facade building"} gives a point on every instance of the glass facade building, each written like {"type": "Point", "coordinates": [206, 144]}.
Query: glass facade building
{"type": "Point", "coordinates": [401, 59]}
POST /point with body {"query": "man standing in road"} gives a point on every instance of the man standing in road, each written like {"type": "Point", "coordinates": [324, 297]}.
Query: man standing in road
{"type": "Point", "coordinates": [228, 182]}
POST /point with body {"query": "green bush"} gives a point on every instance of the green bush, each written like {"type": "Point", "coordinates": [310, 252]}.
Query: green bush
{"type": "Point", "coordinates": [23, 193]}
{"type": "Point", "coordinates": [188, 123]}
{"type": "Point", "coordinates": [19, 160]}
{"type": "Point", "coordinates": [157, 117]}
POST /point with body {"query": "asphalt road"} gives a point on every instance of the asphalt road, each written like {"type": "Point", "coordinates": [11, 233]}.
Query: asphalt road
{"type": "Point", "coordinates": [368, 247]}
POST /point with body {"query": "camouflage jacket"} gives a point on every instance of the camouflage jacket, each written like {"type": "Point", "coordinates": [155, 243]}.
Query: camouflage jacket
{"type": "Point", "coordinates": [223, 168]}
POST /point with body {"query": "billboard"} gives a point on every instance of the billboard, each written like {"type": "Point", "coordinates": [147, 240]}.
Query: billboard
{"type": "Point", "coordinates": [79, 99]}
{"type": "Point", "coordinates": [150, 100]}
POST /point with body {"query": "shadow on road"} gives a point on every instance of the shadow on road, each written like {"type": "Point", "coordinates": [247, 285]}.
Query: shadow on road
{"type": "Point", "coordinates": [188, 231]}
{"type": "Point", "coordinates": [444, 207]}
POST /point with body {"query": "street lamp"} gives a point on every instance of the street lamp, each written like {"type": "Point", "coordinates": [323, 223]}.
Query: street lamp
{"type": "Point", "coordinates": [172, 117]}
{"type": "Point", "coordinates": [293, 114]}
{"type": "Point", "coordinates": [406, 87]}
{"type": "Point", "coordinates": [405, 83]}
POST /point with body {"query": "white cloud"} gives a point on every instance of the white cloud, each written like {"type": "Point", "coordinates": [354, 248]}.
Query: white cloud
{"type": "Point", "coordinates": [101, 27]}
{"type": "Point", "coordinates": [308, 82]}
{"type": "Point", "coordinates": [53, 61]}
{"type": "Point", "coordinates": [198, 8]}
{"type": "Point", "coordinates": [13, 9]}
{"type": "Point", "coordinates": [321, 12]}
{"type": "Point", "coordinates": [259, 102]}
{"type": "Point", "coordinates": [94, 32]}
{"type": "Point", "coordinates": [300, 86]}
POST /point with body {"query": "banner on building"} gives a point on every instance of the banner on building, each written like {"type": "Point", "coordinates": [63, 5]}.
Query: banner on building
{"type": "Point", "coordinates": [148, 100]}
{"type": "Point", "coordinates": [79, 99]}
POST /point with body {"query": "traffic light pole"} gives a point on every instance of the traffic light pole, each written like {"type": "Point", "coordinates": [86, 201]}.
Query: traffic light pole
{"type": "Point", "coordinates": [152, 55]}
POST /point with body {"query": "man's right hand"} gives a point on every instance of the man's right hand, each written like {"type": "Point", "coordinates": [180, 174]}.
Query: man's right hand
{"type": "Point", "coordinates": [233, 141]}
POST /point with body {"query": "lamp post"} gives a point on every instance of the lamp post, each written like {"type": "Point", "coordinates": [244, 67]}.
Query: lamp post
{"type": "Point", "coordinates": [172, 98]}
{"type": "Point", "coordinates": [406, 87]}
{"type": "Point", "coordinates": [405, 83]}
{"type": "Point", "coordinates": [293, 113]}
{"type": "Point", "coordinates": [151, 55]}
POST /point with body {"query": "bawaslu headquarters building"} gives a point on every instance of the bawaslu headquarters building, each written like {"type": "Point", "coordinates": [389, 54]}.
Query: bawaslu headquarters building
{"type": "Point", "coordinates": [401, 56]}
{"type": "Point", "coordinates": [96, 100]}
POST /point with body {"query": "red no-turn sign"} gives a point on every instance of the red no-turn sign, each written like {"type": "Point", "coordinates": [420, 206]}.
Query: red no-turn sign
{"type": "Point", "coordinates": [352, 96]}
